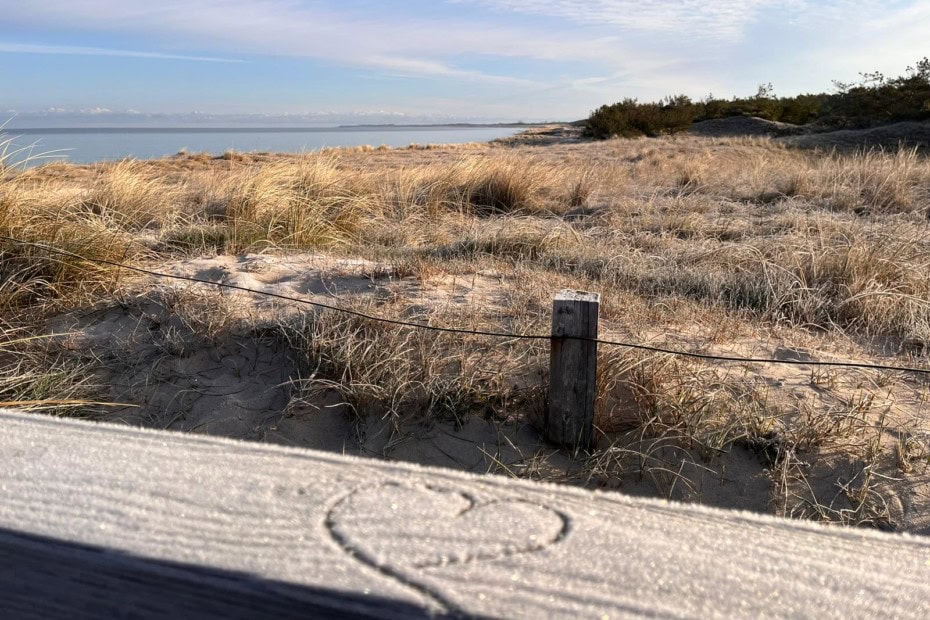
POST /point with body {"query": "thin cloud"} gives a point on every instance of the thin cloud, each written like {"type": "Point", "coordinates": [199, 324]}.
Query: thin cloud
{"type": "Point", "coordinates": [717, 19]}
{"type": "Point", "coordinates": [69, 50]}
{"type": "Point", "coordinates": [404, 67]}
{"type": "Point", "coordinates": [323, 31]}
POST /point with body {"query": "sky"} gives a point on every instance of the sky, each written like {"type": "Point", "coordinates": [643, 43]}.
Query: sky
{"type": "Point", "coordinates": [338, 60]}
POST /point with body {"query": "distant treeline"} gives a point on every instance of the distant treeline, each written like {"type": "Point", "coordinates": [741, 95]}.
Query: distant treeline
{"type": "Point", "coordinates": [874, 100]}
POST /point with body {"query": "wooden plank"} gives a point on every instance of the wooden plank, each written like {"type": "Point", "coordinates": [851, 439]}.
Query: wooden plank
{"type": "Point", "coordinates": [573, 369]}
{"type": "Point", "coordinates": [102, 521]}
{"type": "Point", "coordinates": [45, 578]}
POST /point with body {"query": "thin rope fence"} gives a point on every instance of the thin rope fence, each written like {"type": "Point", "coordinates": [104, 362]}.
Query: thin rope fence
{"type": "Point", "coordinates": [470, 332]}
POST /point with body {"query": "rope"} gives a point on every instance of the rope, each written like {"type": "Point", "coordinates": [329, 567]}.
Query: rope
{"type": "Point", "coordinates": [468, 332]}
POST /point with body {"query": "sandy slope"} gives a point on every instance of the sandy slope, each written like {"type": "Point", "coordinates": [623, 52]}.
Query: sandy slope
{"type": "Point", "coordinates": [237, 383]}
{"type": "Point", "coordinates": [890, 137]}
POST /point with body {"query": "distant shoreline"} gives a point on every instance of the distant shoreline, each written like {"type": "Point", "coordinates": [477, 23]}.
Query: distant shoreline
{"type": "Point", "coordinates": [273, 129]}
{"type": "Point", "coordinates": [451, 125]}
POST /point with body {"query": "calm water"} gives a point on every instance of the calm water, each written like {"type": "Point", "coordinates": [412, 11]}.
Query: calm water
{"type": "Point", "coordinates": [90, 145]}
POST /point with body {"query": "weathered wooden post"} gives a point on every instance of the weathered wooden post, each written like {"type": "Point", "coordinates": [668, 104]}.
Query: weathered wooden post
{"type": "Point", "coordinates": [573, 369]}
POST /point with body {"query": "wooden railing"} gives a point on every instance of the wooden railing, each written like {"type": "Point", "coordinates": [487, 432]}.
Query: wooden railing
{"type": "Point", "coordinates": [108, 521]}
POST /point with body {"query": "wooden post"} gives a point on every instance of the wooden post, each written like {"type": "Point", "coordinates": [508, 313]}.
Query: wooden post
{"type": "Point", "coordinates": [573, 368]}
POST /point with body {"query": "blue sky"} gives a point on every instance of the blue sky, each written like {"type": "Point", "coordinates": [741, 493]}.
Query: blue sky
{"type": "Point", "coordinates": [462, 59]}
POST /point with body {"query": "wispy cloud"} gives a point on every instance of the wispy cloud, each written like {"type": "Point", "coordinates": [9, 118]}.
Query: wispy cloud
{"type": "Point", "coordinates": [70, 50]}
{"type": "Point", "coordinates": [727, 20]}
{"type": "Point", "coordinates": [412, 66]}
{"type": "Point", "coordinates": [321, 30]}
{"type": "Point", "coordinates": [715, 19]}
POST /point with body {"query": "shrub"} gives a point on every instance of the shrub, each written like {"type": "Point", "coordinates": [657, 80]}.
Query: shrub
{"type": "Point", "coordinates": [629, 118]}
{"type": "Point", "coordinates": [872, 101]}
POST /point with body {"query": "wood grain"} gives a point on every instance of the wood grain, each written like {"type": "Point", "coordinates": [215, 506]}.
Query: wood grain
{"type": "Point", "coordinates": [573, 369]}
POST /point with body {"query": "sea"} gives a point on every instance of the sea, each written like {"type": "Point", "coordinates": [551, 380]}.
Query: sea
{"type": "Point", "coordinates": [93, 144]}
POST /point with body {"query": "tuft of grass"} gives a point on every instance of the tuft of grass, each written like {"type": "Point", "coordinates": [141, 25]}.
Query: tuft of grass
{"type": "Point", "coordinates": [498, 188]}
{"type": "Point", "coordinates": [42, 213]}
{"type": "Point", "coordinates": [390, 371]}
{"type": "Point", "coordinates": [308, 204]}
{"type": "Point", "coordinates": [37, 374]}
{"type": "Point", "coordinates": [580, 192]}
{"type": "Point", "coordinates": [125, 197]}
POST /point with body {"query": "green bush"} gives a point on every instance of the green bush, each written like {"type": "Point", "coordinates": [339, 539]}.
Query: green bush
{"type": "Point", "coordinates": [629, 118]}
{"type": "Point", "coordinates": [877, 99]}
{"type": "Point", "coordinates": [874, 100]}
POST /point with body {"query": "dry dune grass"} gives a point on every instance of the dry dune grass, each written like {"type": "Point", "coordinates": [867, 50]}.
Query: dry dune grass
{"type": "Point", "coordinates": [398, 373]}
{"type": "Point", "coordinates": [123, 197]}
{"type": "Point", "coordinates": [304, 205]}
{"type": "Point", "coordinates": [733, 245]}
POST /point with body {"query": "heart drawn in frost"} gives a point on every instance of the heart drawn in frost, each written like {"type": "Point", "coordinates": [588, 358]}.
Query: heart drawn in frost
{"type": "Point", "coordinates": [394, 527]}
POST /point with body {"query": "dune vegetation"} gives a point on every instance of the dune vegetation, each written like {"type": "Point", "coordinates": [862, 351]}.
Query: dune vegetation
{"type": "Point", "coordinates": [874, 100]}
{"type": "Point", "coordinates": [732, 246]}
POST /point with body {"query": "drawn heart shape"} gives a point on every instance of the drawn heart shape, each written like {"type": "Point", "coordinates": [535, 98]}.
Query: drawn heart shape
{"type": "Point", "coordinates": [395, 527]}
